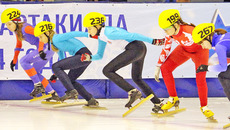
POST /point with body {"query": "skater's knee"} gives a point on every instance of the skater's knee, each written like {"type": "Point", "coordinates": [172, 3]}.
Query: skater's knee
{"type": "Point", "coordinates": [221, 75]}
{"type": "Point", "coordinates": [137, 79]}
{"type": "Point", "coordinates": [106, 71]}
{"type": "Point", "coordinates": [56, 67]}
{"type": "Point", "coordinates": [23, 61]}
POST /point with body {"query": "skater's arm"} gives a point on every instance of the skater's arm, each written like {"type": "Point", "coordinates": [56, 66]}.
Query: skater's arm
{"type": "Point", "coordinates": [222, 57]}
{"type": "Point", "coordinates": [165, 52]}
{"type": "Point", "coordinates": [121, 34]}
{"type": "Point", "coordinates": [17, 50]}
{"type": "Point", "coordinates": [61, 55]}
{"type": "Point", "coordinates": [100, 51]}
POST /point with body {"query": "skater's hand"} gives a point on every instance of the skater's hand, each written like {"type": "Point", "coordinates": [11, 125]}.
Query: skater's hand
{"type": "Point", "coordinates": [157, 73]}
{"type": "Point", "coordinates": [202, 68]}
{"type": "Point", "coordinates": [53, 78]}
{"type": "Point", "coordinates": [42, 55]}
{"type": "Point", "coordinates": [12, 65]}
{"type": "Point", "coordinates": [85, 57]}
{"type": "Point", "coordinates": [158, 42]}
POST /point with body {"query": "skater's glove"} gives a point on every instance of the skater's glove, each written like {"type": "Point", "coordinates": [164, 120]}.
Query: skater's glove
{"type": "Point", "coordinates": [202, 68]}
{"type": "Point", "coordinates": [42, 55]}
{"type": "Point", "coordinates": [12, 65]}
{"type": "Point", "coordinates": [157, 73]}
{"type": "Point", "coordinates": [53, 78]}
{"type": "Point", "coordinates": [85, 57]}
{"type": "Point", "coordinates": [158, 42]}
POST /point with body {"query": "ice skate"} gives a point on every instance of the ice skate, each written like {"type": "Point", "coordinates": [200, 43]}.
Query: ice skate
{"type": "Point", "coordinates": [134, 94]}
{"type": "Point", "coordinates": [38, 88]}
{"type": "Point", "coordinates": [208, 113]}
{"type": "Point", "coordinates": [173, 101]}
{"type": "Point", "coordinates": [94, 104]}
{"type": "Point", "coordinates": [69, 94]}
{"type": "Point", "coordinates": [52, 100]}
{"type": "Point", "coordinates": [157, 107]}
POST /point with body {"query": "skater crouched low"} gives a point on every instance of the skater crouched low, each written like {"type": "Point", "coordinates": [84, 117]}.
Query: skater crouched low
{"type": "Point", "coordinates": [62, 43]}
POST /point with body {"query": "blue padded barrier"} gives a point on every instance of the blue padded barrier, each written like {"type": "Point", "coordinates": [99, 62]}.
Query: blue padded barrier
{"type": "Point", "coordinates": [186, 87]}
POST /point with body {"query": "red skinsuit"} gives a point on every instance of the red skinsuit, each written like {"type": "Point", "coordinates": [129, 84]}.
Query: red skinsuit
{"type": "Point", "coordinates": [184, 51]}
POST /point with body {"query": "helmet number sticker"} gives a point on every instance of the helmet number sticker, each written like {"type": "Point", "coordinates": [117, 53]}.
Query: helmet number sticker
{"type": "Point", "coordinates": [203, 33]}
{"type": "Point", "coordinates": [13, 14]}
{"type": "Point", "coordinates": [97, 20]}
{"type": "Point", "coordinates": [45, 27]}
{"type": "Point", "coordinates": [172, 19]}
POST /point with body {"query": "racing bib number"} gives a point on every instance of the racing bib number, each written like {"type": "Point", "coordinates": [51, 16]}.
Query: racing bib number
{"type": "Point", "coordinates": [206, 31]}
{"type": "Point", "coordinates": [173, 18]}
{"type": "Point", "coordinates": [13, 14]}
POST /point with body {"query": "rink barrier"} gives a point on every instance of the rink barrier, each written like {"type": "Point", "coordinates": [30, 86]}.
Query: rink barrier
{"type": "Point", "coordinates": [186, 87]}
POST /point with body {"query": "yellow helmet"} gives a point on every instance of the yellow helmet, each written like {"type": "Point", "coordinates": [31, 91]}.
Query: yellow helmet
{"type": "Point", "coordinates": [42, 27]}
{"type": "Point", "coordinates": [10, 14]}
{"type": "Point", "coordinates": [168, 17]}
{"type": "Point", "coordinates": [93, 18]}
{"type": "Point", "coordinates": [201, 31]}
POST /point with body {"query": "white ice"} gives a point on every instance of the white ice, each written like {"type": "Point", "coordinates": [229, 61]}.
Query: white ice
{"type": "Point", "coordinates": [22, 115]}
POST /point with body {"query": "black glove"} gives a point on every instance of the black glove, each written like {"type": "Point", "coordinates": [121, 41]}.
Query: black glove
{"type": "Point", "coordinates": [12, 65]}
{"type": "Point", "coordinates": [42, 55]}
{"type": "Point", "coordinates": [53, 78]}
{"type": "Point", "coordinates": [202, 68]}
{"type": "Point", "coordinates": [158, 42]}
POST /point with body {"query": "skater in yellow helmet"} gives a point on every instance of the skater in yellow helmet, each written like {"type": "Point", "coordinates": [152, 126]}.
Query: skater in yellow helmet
{"type": "Point", "coordinates": [180, 32]}
{"type": "Point", "coordinates": [31, 63]}
{"type": "Point", "coordinates": [133, 51]}
{"type": "Point", "coordinates": [62, 43]}
{"type": "Point", "coordinates": [208, 37]}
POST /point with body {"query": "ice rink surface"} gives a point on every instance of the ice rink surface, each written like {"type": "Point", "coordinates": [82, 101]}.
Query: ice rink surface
{"type": "Point", "coordinates": [22, 115]}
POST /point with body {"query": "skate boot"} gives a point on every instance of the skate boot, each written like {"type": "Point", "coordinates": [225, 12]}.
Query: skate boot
{"type": "Point", "coordinates": [38, 88]}
{"type": "Point", "coordinates": [134, 94]}
{"type": "Point", "coordinates": [173, 101]}
{"type": "Point", "coordinates": [207, 112]}
{"type": "Point", "coordinates": [69, 94]}
{"type": "Point", "coordinates": [157, 107]}
{"type": "Point", "coordinates": [54, 97]}
{"type": "Point", "coordinates": [92, 103]}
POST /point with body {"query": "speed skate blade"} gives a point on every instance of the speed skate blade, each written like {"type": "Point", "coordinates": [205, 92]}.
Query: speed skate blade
{"type": "Point", "coordinates": [51, 102]}
{"type": "Point", "coordinates": [137, 105]}
{"type": "Point", "coordinates": [40, 98]}
{"type": "Point", "coordinates": [169, 113]}
{"type": "Point", "coordinates": [212, 120]}
{"type": "Point", "coordinates": [226, 126]}
{"type": "Point", "coordinates": [65, 104]}
{"type": "Point", "coordinates": [94, 108]}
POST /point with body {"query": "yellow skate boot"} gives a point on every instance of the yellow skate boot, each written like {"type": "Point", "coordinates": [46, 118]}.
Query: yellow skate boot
{"type": "Point", "coordinates": [208, 113]}
{"type": "Point", "coordinates": [173, 101]}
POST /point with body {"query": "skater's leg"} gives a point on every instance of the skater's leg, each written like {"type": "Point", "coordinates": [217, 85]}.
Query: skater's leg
{"type": "Point", "coordinates": [137, 67]}
{"type": "Point", "coordinates": [73, 75]}
{"type": "Point", "coordinates": [122, 60]}
{"type": "Point", "coordinates": [67, 64]}
{"type": "Point", "coordinates": [26, 63]}
{"type": "Point", "coordinates": [224, 78]}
